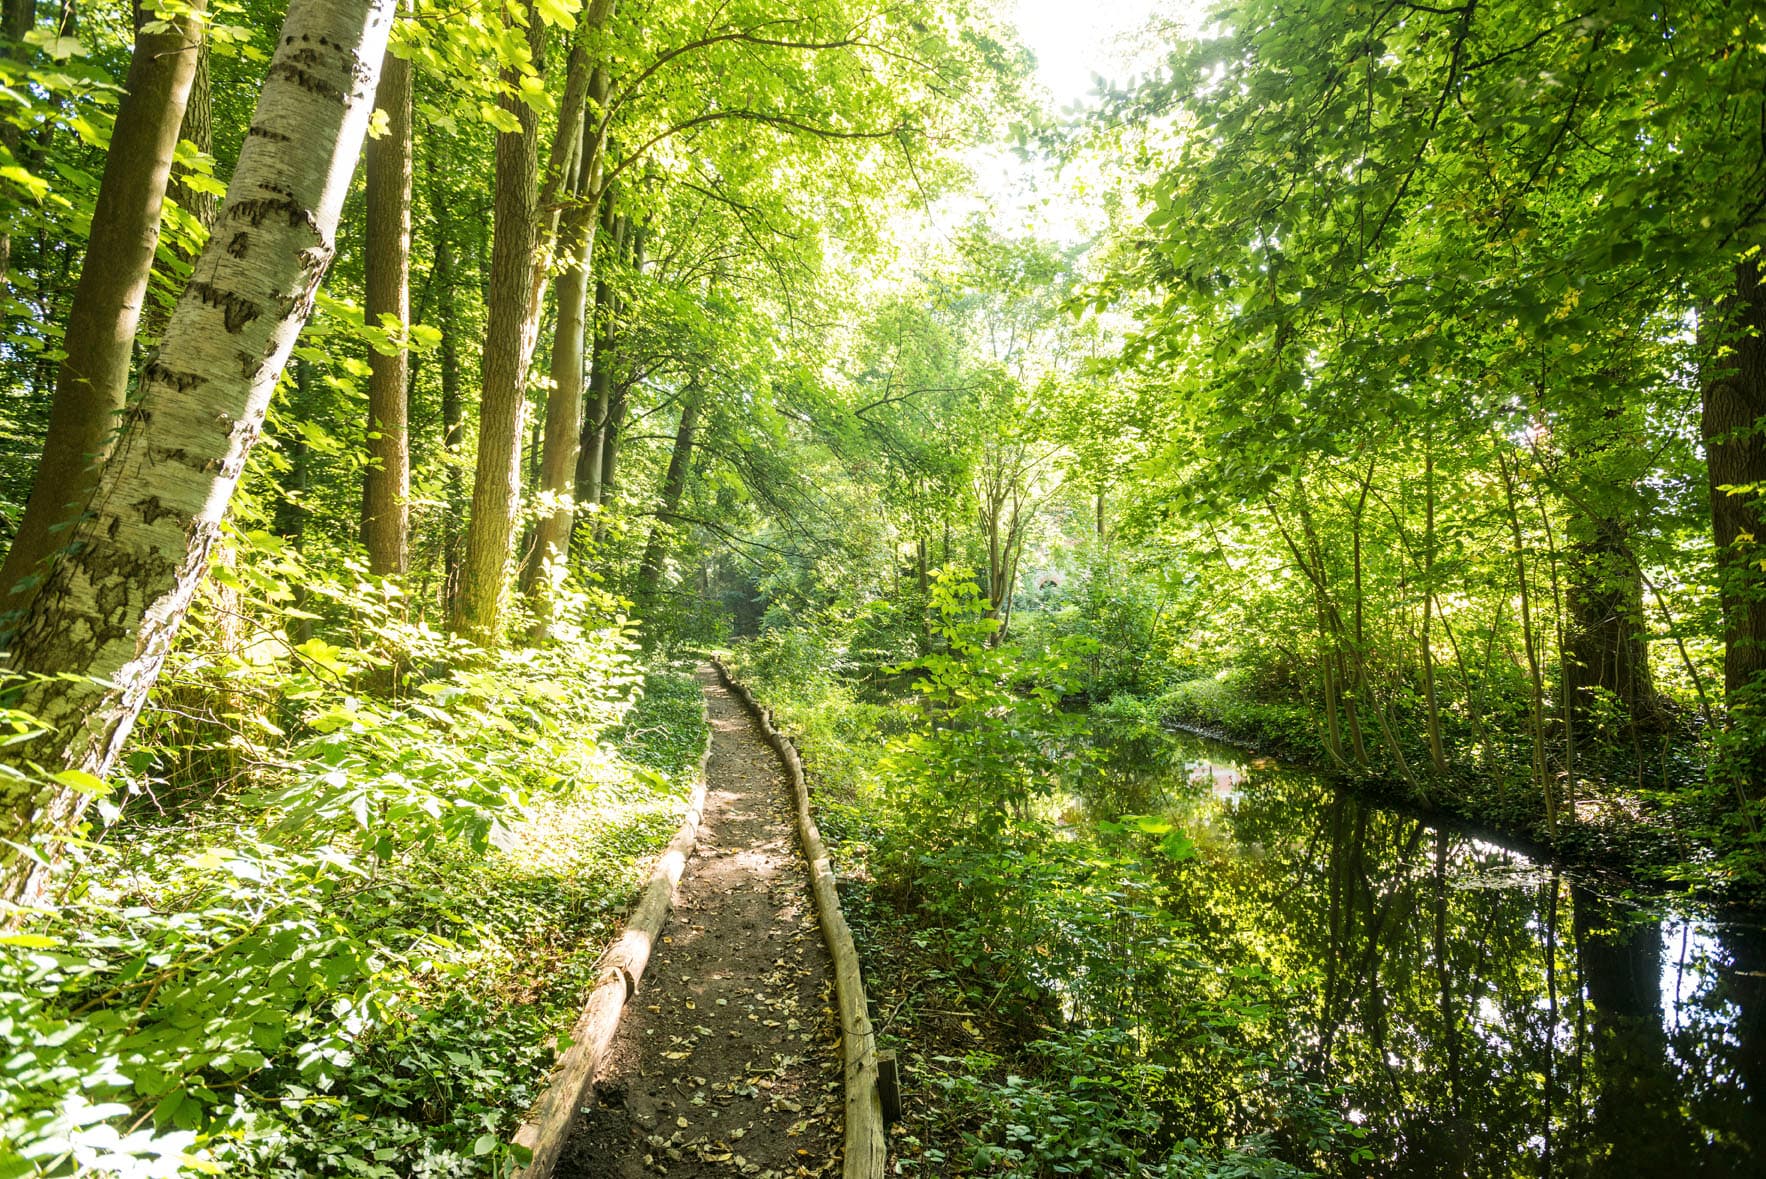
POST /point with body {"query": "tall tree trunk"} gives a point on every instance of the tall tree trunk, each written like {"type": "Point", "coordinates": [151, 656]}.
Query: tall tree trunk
{"type": "Point", "coordinates": [592, 449]}
{"type": "Point", "coordinates": [1535, 676]}
{"type": "Point", "coordinates": [386, 485]}
{"type": "Point", "coordinates": [1431, 701]}
{"type": "Point", "coordinates": [290, 515]}
{"type": "Point", "coordinates": [633, 238]}
{"type": "Point", "coordinates": [560, 448]}
{"type": "Point", "coordinates": [674, 487]}
{"type": "Point", "coordinates": [611, 436]}
{"type": "Point", "coordinates": [1734, 388]}
{"type": "Point", "coordinates": [526, 222]}
{"type": "Point", "coordinates": [94, 376]}
{"type": "Point", "coordinates": [103, 622]}
{"type": "Point", "coordinates": [453, 417]}
{"type": "Point", "coordinates": [199, 128]}
{"type": "Point", "coordinates": [509, 312]}
{"type": "Point", "coordinates": [1608, 643]}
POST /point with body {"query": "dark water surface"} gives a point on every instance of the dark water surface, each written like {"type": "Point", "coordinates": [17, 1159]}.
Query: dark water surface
{"type": "Point", "coordinates": [1483, 1013]}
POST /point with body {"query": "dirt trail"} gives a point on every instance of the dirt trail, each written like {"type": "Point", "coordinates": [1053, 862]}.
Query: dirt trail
{"type": "Point", "coordinates": [726, 1063]}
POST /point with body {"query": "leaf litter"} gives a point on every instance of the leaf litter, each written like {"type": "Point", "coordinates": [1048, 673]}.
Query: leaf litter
{"type": "Point", "coordinates": [727, 1062]}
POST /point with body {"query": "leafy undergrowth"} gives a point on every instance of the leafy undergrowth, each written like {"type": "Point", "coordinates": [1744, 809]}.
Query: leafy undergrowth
{"type": "Point", "coordinates": [1051, 1016]}
{"type": "Point", "coordinates": [358, 956]}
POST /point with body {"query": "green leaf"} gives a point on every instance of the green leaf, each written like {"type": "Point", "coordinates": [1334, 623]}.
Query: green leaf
{"type": "Point", "coordinates": [561, 13]}
{"type": "Point", "coordinates": [497, 117]}
{"type": "Point", "coordinates": [84, 783]}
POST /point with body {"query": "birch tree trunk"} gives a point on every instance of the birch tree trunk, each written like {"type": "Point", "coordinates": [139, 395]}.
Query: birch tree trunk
{"type": "Point", "coordinates": [100, 336]}
{"type": "Point", "coordinates": [386, 485]}
{"type": "Point", "coordinates": [104, 620]}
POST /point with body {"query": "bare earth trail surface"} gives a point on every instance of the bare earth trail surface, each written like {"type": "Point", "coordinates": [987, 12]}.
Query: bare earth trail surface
{"type": "Point", "coordinates": [726, 1062]}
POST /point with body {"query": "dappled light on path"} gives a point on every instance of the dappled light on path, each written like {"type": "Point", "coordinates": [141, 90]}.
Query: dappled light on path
{"type": "Point", "coordinates": [726, 1063]}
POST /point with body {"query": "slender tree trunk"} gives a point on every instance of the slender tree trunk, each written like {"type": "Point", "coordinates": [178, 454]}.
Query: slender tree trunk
{"type": "Point", "coordinates": [199, 129]}
{"type": "Point", "coordinates": [526, 222]}
{"type": "Point", "coordinates": [633, 237]}
{"type": "Point", "coordinates": [1535, 677]}
{"type": "Point", "coordinates": [94, 376]}
{"type": "Point", "coordinates": [592, 452]}
{"type": "Point", "coordinates": [386, 485]}
{"type": "Point", "coordinates": [1437, 753]}
{"type": "Point", "coordinates": [562, 434]}
{"type": "Point", "coordinates": [502, 410]}
{"type": "Point", "coordinates": [611, 436]}
{"type": "Point", "coordinates": [561, 453]}
{"type": "Point", "coordinates": [1607, 640]}
{"type": "Point", "coordinates": [290, 515]}
{"type": "Point", "coordinates": [453, 417]}
{"type": "Point", "coordinates": [1734, 388]}
{"type": "Point", "coordinates": [1566, 676]}
{"type": "Point", "coordinates": [674, 487]}
{"type": "Point", "coordinates": [101, 625]}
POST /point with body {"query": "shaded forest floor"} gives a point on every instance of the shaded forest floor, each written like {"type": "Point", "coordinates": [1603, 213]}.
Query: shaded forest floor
{"type": "Point", "coordinates": [726, 1062]}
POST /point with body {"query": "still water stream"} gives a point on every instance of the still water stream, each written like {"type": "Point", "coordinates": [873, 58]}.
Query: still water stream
{"type": "Point", "coordinates": [1482, 1013]}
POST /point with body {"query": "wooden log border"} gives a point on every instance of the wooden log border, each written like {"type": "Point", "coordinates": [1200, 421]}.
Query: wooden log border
{"type": "Point", "coordinates": [867, 1150]}
{"type": "Point", "coordinates": [616, 980]}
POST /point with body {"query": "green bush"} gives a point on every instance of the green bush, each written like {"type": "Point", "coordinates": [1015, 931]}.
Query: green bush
{"type": "Point", "coordinates": [354, 955]}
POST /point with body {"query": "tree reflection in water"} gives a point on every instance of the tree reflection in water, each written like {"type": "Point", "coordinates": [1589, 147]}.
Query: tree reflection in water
{"type": "Point", "coordinates": [1476, 1012]}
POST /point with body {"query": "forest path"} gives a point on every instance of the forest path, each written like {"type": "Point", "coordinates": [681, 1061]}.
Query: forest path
{"type": "Point", "coordinates": [726, 1062]}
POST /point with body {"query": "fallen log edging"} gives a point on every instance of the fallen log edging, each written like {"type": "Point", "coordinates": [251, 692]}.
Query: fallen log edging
{"type": "Point", "coordinates": [546, 1132]}
{"type": "Point", "coordinates": [866, 1147]}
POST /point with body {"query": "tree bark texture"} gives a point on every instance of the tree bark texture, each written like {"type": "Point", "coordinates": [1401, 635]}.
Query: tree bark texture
{"type": "Point", "coordinates": [199, 129]}
{"type": "Point", "coordinates": [100, 333]}
{"type": "Point", "coordinates": [386, 485]}
{"type": "Point", "coordinates": [109, 611]}
{"type": "Point", "coordinates": [591, 451]}
{"type": "Point", "coordinates": [564, 405]}
{"type": "Point", "coordinates": [633, 236]}
{"type": "Point", "coordinates": [510, 320]}
{"type": "Point", "coordinates": [1734, 389]}
{"type": "Point", "coordinates": [453, 415]}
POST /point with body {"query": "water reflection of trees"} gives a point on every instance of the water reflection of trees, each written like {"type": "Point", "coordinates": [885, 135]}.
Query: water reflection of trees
{"type": "Point", "coordinates": [1477, 1015]}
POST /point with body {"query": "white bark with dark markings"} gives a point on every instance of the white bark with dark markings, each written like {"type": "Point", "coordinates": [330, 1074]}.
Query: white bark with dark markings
{"type": "Point", "coordinates": [110, 609]}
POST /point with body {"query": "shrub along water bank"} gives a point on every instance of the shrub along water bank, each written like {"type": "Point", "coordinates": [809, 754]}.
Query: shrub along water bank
{"type": "Point", "coordinates": [1054, 1014]}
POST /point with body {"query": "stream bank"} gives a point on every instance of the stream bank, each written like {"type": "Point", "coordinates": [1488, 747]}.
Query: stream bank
{"type": "Point", "coordinates": [1189, 960]}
